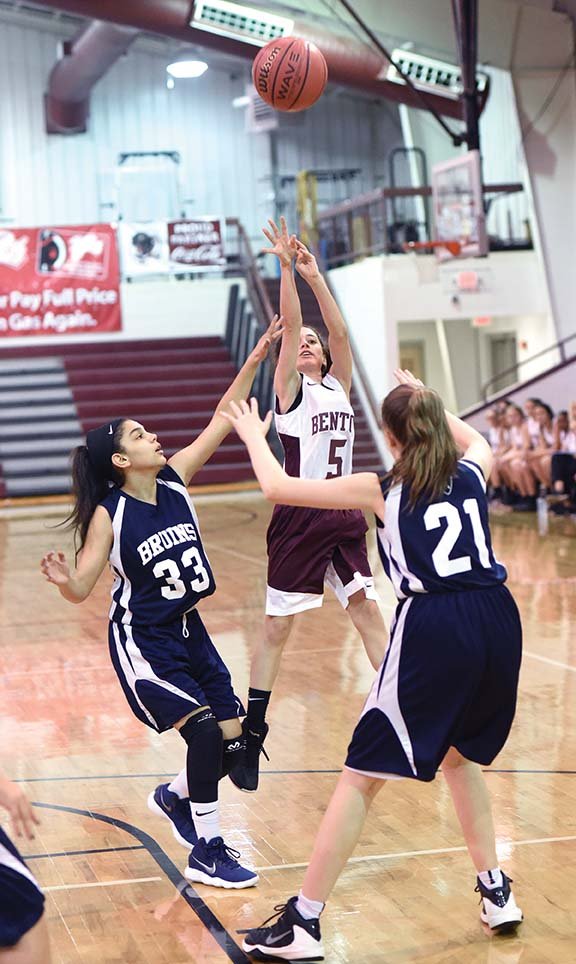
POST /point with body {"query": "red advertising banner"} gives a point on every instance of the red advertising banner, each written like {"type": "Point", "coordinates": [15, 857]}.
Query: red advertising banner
{"type": "Point", "coordinates": [59, 281]}
{"type": "Point", "coordinates": [196, 243]}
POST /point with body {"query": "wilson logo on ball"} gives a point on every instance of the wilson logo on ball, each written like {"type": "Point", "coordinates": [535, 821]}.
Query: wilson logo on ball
{"type": "Point", "coordinates": [290, 74]}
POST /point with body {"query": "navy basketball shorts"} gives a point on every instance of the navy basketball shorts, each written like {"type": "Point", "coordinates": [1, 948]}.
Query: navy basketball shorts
{"type": "Point", "coordinates": [308, 548]}
{"type": "Point", "coordinates": [449, 679]}
{"type": "Point", "coordinates": [21, 900]}
{"type": "Point", "coordinates": [169, 671]}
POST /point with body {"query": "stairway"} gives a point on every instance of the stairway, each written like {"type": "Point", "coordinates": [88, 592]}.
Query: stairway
{"type": "Point", "coordinates": [366, 455]}
{"type": "Point", "coordinates": [50, 397]}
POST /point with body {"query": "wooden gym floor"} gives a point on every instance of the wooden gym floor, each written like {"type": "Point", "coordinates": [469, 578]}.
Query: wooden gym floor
{"type": "Point", "coordinates": [112, 871]}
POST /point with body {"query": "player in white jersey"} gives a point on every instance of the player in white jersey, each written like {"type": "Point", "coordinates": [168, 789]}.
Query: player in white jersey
{"type": "Point", "coordinates": [445, 695]}
{"type": "Point", "coordinates": [307, 547]}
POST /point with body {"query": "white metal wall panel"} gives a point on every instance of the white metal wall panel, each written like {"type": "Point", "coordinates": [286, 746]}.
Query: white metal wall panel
{"type": "Point", "coordinates": [69, 179]}
{"type": "Point", "coordinates": [503, 155]}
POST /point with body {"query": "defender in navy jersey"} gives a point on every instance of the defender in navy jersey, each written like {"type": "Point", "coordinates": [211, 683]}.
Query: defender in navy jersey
{"type": "Point", "coordinates": [23, 932]}
{"type": "Point", "coordinates": [445, 694]}
{"type": "Point", "coordinates": [309, 548]}
{"type": "Point", "coordinates": [134, 512]}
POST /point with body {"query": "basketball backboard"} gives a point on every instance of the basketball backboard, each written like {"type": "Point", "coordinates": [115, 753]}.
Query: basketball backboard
{"type": "Point", "coordinates": [458, 206]}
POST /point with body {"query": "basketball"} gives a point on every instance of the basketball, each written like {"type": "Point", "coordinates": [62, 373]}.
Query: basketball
{"type": "Point", "coordinates": [290, 74]}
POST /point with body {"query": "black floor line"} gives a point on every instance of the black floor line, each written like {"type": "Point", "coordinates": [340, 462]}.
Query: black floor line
{"type": "Point", "coordinates": [187, 892]}
{"type": "Point", "coordinates": [82, 853]}
{"type": "Point", "coordinates": [263, 773]}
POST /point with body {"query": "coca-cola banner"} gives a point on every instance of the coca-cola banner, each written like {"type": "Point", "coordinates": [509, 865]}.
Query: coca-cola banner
{"type": "Point", "coordinates": [195, 244]}
{"type": "Point", "coordinates": [59, 280]}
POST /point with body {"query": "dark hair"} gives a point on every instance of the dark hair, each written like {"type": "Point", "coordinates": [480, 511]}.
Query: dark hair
{"type": "Point", "coordinates": [89, 487]}
{"type": "Point", "coordinates": [417, 420]}
{"type": "Point", "coordinates": [546, 408]}
{"type": "Point", "coordinates": [327, 364]}
{"type": "Point", "coordinates": [516, 409]}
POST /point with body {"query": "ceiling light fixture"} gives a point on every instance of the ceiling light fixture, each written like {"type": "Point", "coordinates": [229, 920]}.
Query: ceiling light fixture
{"type": "Point", "coordinates": [186, 69]}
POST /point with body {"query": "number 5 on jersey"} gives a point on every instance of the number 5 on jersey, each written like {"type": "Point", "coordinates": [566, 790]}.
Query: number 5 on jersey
{"type": "Point", "coordinates": [335, 460]}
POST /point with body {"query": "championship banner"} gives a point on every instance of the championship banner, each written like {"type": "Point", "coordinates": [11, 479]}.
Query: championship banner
{"type": "Point", "coordinates": [195, 244]}
{"type": "Point", "coordinates": [144, 248]}
{"type": "Point", "coordinates": [59, 281]}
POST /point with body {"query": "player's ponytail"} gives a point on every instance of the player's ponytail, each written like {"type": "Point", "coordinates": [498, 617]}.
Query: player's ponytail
{"type": "Point", "coordinates": [92, 474]}
{"type": "Point", "coordinates": [415, 417]}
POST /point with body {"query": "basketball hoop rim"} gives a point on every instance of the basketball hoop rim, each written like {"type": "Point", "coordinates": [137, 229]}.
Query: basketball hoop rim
{"type": "Point", "coordinates": [453, 247]}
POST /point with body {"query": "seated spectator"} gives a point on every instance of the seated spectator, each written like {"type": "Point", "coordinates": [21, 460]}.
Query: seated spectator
{"type": "Point", "coordinates": [497, 436]}
{"type": "Point", "coordinates": [563, 462]}
{"type": "Point", "coordinates": [529, 408]}
{"type": "Point", "coordinates": [513, 464]}
{"type": "Point", "coordinates": [540, 455]}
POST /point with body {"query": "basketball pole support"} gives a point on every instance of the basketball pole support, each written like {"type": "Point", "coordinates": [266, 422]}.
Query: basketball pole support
{"type": "Point", "coordinates": [465, 15]}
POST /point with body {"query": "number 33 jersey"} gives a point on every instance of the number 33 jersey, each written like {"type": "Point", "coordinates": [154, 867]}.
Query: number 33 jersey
{"type": "Point", "coordinates": [440, 546]}
{"type": "Point", "coordinates": [160, 567]}
{"type": "Point", "coordinates": [317, 431]}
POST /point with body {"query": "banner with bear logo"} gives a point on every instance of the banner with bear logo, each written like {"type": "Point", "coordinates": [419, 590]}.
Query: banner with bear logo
{"type": "Point", "coordinates": [59, 280]}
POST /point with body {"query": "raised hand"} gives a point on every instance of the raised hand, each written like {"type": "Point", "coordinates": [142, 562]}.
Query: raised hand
{"type": "Point", "coordinates": [15, 801]}
{"type": "Point", "coordinates": [246, 419]}
{"type": "Point", "coordinates": [272, 334]}
{"type": "Point", "coordinates": [405, 377]}
{"type": "Point", "coordinates": [55, 568]}
{"type": "Point", "coordinates": [306, 264]}
{"type": "Point", "coordinates": [283, 245]}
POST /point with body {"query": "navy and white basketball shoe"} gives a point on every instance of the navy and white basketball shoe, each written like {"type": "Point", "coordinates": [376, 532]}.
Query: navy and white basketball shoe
{"type": "Point", "coordinates": [291, 938]}
{"type": "Point", "coordinates": [169, 805]}
{"type": "Point", "coordinates": [499, 909]}
{"type": "Point", "coordinates": [245, 774]}
{"type": "Point", "coordinates": [216, 864]}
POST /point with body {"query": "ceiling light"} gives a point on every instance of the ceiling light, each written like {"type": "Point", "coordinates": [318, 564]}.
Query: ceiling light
{"type": "Point", "coordinates": [184, 69]}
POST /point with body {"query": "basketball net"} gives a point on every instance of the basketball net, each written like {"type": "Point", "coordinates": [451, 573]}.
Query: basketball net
{"type": "Point", "coordinates": [427, 269]}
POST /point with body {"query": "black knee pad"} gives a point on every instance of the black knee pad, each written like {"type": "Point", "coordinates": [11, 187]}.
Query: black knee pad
{"type": "Point", "coordinates": [232, 753]}
{"type": "Point", "coordinates": [203, 738]}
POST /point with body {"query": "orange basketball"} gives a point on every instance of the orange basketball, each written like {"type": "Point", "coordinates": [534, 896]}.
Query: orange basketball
{"type": "Point", "coordinates": [290, 73]}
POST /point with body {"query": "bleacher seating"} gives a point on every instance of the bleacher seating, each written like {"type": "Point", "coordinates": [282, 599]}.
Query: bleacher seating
{"type": "Point", "coordinates": [51, 395]}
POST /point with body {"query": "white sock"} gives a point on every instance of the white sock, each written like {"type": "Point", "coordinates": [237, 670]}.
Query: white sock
{"type": "Point", "coordinates": [491, 878]}
{"type": "Point", "coordinates": [206, 819]}
{"type": "Point", "coordinates": [308, 909]}
{"type": "Point", "coordinates": [179, 785]}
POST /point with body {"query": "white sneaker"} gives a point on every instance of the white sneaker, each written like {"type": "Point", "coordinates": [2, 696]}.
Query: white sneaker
{"type": "Point", "coordinates": [291, 938]}
{"type": "Point", "coordinates": [499, 909]}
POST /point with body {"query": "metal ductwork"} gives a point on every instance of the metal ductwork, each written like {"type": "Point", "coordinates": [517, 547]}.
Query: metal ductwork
{"type": "Point", "coordinates": [85, 59]}
{"type": "Point", "coordinates": [350, 62]}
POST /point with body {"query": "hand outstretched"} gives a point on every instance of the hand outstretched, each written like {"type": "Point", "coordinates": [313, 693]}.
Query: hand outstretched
{"type": "Point", "coordinates": [283, 244]}
{"type": "Point", "coordinates": [272, 334]}
{"type": "Point", "coordinates": [405, 377]}
{"type": "Point", "coordinates": [55, 568]}
{"type": "Point", "coordinates": [247, 421]}
{"type": "Point", "coordinates": [15, 801]}
{"type": "Point", "coordinates": [306, 264]}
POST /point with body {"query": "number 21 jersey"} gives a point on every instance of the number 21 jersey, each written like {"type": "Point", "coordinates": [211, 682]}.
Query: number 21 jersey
{"type": "Point", "coordinates": [441, 546]}
{"type": "Point", "coordinates": [160, 566]}
{"type": "Point", "coordinates": [317, 432]}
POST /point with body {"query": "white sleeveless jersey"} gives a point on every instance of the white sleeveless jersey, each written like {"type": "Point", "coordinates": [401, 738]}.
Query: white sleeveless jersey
{"type": "Point", "coordinates": [317, 433]}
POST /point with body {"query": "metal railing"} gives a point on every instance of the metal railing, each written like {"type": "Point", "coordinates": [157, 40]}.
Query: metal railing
{"type": "Point", "coordinates": [248, 317]}
{"type": "Point", "coordinates": [366, 225]}
{"type": "Point", "coordinates": [562, 355]}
